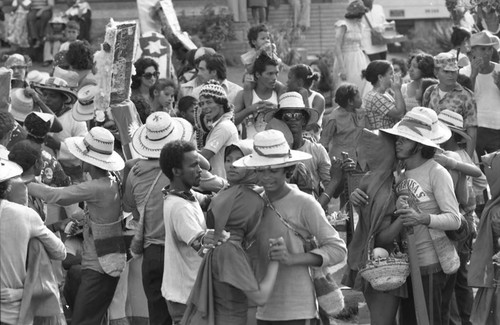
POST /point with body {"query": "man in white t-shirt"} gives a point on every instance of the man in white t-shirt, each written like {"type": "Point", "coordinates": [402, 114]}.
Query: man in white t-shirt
{"type": "Point", "coordinates": [185, 228]}
{"type": "Point", "coordinates": [485, 79]}
{"type": "Point", "coordinates": [376, 18]}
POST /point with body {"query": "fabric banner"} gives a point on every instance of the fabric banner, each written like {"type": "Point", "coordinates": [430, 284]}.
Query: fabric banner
{"type": "Point", "coordinates": [110, 246]}
{"type": "Point", "coordinates": [127, 120]}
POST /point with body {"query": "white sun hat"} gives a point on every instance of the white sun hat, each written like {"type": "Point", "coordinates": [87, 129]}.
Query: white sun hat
{"type": "Point", "coordinates": [83, 110]}
{"type": "Point", "coordinates": [96, 148]}
{"type": "Point", "coordinates": [20, 104]}
{"type": "Point", "coordinates": [271, 150]}
{"type": "Point", "coordinates": [415, 127]}
{"type": "Point", "coordinates": [293, 100]}
{"type": "Point", "coordinates": [9, 169]}
{"type": "Point", "coordinates": [440, 132]}
{"type": "Point", "coordinates": [160, 129]}
{"type": "Point", "coordinates": [455, 123]}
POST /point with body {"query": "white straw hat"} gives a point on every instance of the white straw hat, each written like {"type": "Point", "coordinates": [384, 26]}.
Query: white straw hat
{"type": "Point", "coordinates": [414, 126]}
{"type": "Point", "coordinates": [59, 85]}
{"type": "Point", "coordinates": [96, 148]}
{"type": "Point", "coordinates": [83, 110]}
{"type": "Point", "coordinates": [37, 76]}
{"type": "Point", "coordinates": [160, 129]}
{"type": "Point", "coordinates": [9, 169]}
{"type": "Point", "coordinates": [293, 100]}
{"type": "Point", "coordinates": [455, 122]}
{"type": "Point", "coordinates": [21, 105]}
{"type": "Point", "coordinates": [271, 150]}
{"type": "Point", "coordinates": [440, 132]}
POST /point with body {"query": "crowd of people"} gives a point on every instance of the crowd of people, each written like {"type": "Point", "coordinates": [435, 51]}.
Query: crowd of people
{"type": "Point", "coordinates": [222, 208]}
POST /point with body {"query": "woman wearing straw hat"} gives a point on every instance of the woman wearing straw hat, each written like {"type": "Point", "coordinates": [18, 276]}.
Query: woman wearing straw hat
{"type": "Point", "coordinates": [215, 105]}
{"type": "Point", "coordinates": [292, 299]}
{"type": "Point", "coordinates": [427, 203]}
{"type": "Point", "coordinates": [102, 223]}
{"type": "Point", "coordinates": [236, 209]}
{"type": "Point", "coordinates": [18, 224]}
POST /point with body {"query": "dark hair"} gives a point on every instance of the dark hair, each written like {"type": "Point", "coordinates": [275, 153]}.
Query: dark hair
{"type": "Point", "coordinates": [25, 153]}
{"type": "Point", "coordinates": [185, 103]}
{"type": "Point", "coordinates": [305, 73]}
{"type": "Point", "coordinates": [374, 69]}
{"type": "Point", "coordinates": [60, 60]}
{"type": "Point", "coordinates": [464, 81]}
{"type": "Point", "coordinates": [354, 16]}
{"type": "Point", "coordinates": [344, 93]}
{"type": "Point", "coordinates": [79, 55]}
{"type": "Point", "coordinates": [426, 83]}
{"type": "Point", "coordinates": [425, 63]}
{"type": "Point", "coordinates": [215, 62]}
{"type": "Point", "coordinates": [253, 33]}
{"type": "Point", "coordinates": [163, 83]}
{"type": "Point", "coordinates": [4, 188]}
{"type": "Point", "coordinates": [36, 127]}
{"type": "Point", "coordinates": [73, 25]}
{"type": "Point", "coordinates": [459, 35]}
{"type": "Point", "coordinates": [427, 152]}
{"type": "Point", "coordinates": [172, 156]}
{"type": "Point", "coordinates": [279, 115]}
{"type": "Point", "coordinates": [262, 62]}
{"type": "Point", "coordinates": [7, 124]}
{"type": "Point", "coordinates": [402, 65]}
{"type": "Point", "coordinates": [325, 83]}
{"type": "Point", "coordinates": [230, 149]}
{"type": "Point", "coordinates": [190, 59]}
{"type": "Point", "coordinates": [140, 66]}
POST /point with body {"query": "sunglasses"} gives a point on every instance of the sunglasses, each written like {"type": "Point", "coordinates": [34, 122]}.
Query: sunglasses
{"type": "Point", "coordinates": [293, 116]}
{"type": "Point", "coordinates": [150, 75]}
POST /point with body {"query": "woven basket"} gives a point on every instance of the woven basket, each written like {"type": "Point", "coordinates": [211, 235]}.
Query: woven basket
{"type": "Point", "coordinates": [386, 273]}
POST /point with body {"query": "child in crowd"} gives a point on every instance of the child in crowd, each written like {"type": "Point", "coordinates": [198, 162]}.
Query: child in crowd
{"type": "Point", "coordinates": [187, 108]}
{"type": "Point", "coordinates": [259, 39]}
{"type": "Point", "coordinates": [72, 32]}
{"type": "Point", "coordinates": [80, 11]}
{"type": "Point", "coordinates": [399, 66]}
{"type": "Point", "coordinates": [164, 93]}
{"type": "Point", "coordinates": [346, 122]}
{"type": "Point", "coordinates": [53, 39]}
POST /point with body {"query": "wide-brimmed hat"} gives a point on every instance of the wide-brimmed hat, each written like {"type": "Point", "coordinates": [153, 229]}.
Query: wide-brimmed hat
{"type": "Point", "coordinates": [481, 39]}
{"type": "Point", "coordinates": [96, 148]}
{"type": "Point", "coordinates": [355, 9]}
{"type": "Point", "coordinates": [415, 127]}
{"type": "Point", "coordinates": [455, 122]}
{"type": "Point", "coordinates": [37, 76]}
{"type": "Point", "coordinates": [59, 85]}
{"type": "Point", "coordinates": [293, 100]}
{"type": "Point", "coordinates": [275, 124]}
{"type": "Point", "coordinates": [440, 133]}
{"type": "Point", "coordinates": [446, 61]}
{"type": "Point", "coordinates": [9, 169]}
{"type": "Point", "coordinates": [271, 150]}
{"type": "Point", "coordinates": [17, 60]}
{"type": "Point", "coordinates": [160, 129]}
{"type": "Point", "coordinates": [20, 104]}
{"type": "Point", "coordinates": [83, 110]}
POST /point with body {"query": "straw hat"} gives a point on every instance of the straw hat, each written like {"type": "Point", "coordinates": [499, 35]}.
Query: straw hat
{"type": "Point", "coordinates": [293, 100]}
{"type": "Point", "coordinates": [414, 126]}
{"type": "Point", "coordinates": [481, 39]}
{"type": "Point", "coordinates": [57, 84]}
{"type": "Point", "coordinates": [440, 132]}
{"type": "Point", "coordinates": [9, 169]}
{"type": "Point", "coordinates": [96, 148]}
{"type": "Point", "coordinates": [83, 110]}
{"type": "Point", "coordinates": [21, 105]}
{"type": "Point", "coordinates": [160, 129]}
{"type": "Point", "coordinates": [271, 150]}
{"type": "Point", "coordinates": [446, 61]}
{"type": "Point", "coordinates": [37, 76]}
{"type": "Point", "coordinates": [16, 60]}
{"type": "Point", "coordinates": [455, 122]}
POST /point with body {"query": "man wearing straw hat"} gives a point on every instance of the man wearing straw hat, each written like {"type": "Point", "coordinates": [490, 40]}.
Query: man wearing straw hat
{"type": "Point", "coordinates": [143, 196]}
{"type": "Point", "coordinates": [427, 203]}
{"type": "Point", "coordinates": [103, 256]}
{"type": "Point", "coordinates": [18, 224]}
{"type": "Point", "coordinates": [293, 299]}
{"type": "Point", "coordinates": [485, 77]}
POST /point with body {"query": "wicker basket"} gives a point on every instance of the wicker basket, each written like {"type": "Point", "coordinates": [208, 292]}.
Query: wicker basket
{"type": "Point", "coordinates": [386, 273]}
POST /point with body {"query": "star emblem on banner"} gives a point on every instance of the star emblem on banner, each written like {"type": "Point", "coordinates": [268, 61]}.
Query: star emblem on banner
{"type": "Point", "coordinates": [153, 44]}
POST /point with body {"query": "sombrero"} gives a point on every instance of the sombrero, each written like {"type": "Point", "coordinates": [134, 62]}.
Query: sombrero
{"type": "Point", "coordinates": [56, 84]}
{"type": "Point", "coordinates": [96, 148]}
{"type": "Point", "coordinates": [271, 150]}
{"type": "Point", "coordinates": [160, 129]}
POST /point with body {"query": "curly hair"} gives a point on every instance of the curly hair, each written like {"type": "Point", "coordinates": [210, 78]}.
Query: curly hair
{"type": "Point", "coordinates": [80, 56]}
{"type": "Point", "coordinates": [344, 93]}
{"type": "Point", "coordinates": [253, 33]}
{"type": "Point", "coordinates": [7, 124]}
{"type": "Point", "coordinates": [374, 69]}
{"type": "Point", "coordinates": [425, 63]}
{"type": "Point", "coordinates": [262, 62]}
{"type": "Point", "coordinates": [402, 65]}
{"type": "Point", "coordinates": [140, 67]}
{"type": "Point", "coordinates": [25, 153]}
{"type": "Point", "coordinates": [163, 83]}
{"type": "Point", "coordinates": [305, 73]}
{"type": "Point", "coordinates": [172, 156]}
{"type": "Point", "coordinates": [36, 127]}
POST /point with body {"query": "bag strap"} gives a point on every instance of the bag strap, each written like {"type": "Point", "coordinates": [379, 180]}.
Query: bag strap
{"type": "Point", "coordinates": [368, 21]}
{"type": "Point", "coordinates": [146, 199]}
{"type": "Point", "coordinates": [283, 220]}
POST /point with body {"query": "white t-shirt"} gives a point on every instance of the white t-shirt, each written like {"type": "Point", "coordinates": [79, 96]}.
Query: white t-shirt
{"type": "Point", "coordinates": [184, 222]}
{"type": "Point", "coordinates": [223, 134]}
{"type": "Point", "coordinates": [376, 17]}
{"type": "Point", "coordinates": [487, 97]}
{"type": "Point", "coordinates": [71, 128]}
